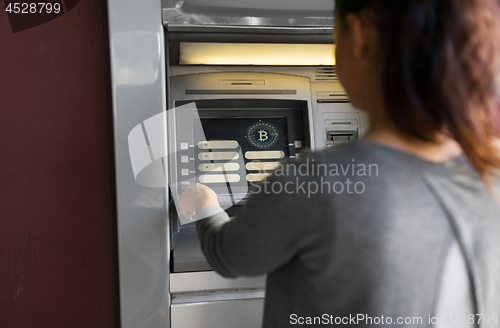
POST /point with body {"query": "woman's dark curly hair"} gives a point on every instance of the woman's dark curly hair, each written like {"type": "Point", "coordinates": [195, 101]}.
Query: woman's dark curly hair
{"type": "Point", "coordinates": [441, 74]}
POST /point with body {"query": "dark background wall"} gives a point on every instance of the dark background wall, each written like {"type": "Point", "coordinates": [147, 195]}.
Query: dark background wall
{"type": "Point", "coordinates": [58, 263]}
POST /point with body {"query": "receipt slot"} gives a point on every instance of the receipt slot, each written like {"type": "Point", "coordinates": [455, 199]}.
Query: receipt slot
{"type": "Point", "coordinates": [337, 137]}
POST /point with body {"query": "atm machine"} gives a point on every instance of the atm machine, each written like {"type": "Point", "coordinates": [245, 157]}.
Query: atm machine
{"type": "Point", "coordinates": [259, 77]}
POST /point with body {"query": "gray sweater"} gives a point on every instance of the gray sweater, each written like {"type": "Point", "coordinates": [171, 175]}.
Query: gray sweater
{"type": "Point", "coordinates": [358, 235]}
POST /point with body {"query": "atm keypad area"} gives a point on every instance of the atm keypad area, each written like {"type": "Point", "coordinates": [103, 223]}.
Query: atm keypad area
{"type": "Point", "coordinates": [238, 146]}
{"type": "Point", "coordinates": [244, 138]}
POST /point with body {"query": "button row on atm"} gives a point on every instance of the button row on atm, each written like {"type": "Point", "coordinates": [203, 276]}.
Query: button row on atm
{"type": "Point", "coordinates": [184, 159]}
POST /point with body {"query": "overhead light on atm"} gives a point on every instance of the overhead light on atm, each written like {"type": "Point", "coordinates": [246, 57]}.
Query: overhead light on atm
{"type": "Point", "coordinates": [205, 53]}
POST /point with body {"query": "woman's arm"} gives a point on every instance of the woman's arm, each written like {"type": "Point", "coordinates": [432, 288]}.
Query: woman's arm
{"type": "Point", "coordinates": [268, 232]}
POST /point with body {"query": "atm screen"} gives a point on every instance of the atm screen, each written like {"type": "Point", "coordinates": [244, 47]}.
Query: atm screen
{"type": "Point", "coordinates": [231, 148]}
{"type": "Point", "coordinates": [263, 143]}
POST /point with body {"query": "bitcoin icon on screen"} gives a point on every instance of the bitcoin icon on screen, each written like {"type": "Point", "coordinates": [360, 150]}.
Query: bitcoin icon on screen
{"type": "Point", "coordinates": [262, 134]}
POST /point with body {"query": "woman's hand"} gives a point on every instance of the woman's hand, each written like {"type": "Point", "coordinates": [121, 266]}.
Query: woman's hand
{"type": "Point", "coordinates": [195, 198]}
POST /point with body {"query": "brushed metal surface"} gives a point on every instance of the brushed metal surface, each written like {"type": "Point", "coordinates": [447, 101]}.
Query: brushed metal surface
{"type": "Point", "coordinates": [195, 282]}
{"type": "Point", "coordinates": [262, 14]}
{"type": "Point", "coordinates": [138, 90]}
{"type": "Point", "coordinates": [225, 314]}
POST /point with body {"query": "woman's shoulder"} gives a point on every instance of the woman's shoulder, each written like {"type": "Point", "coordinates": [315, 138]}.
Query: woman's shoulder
{"type": "Point", "coordinates": [366, 151]}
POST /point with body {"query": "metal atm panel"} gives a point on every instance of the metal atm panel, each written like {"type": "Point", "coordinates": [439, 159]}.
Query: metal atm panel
{"type": "Point", "coordinates": [205, 299]}
{"type": "Point", "coordinates": [243, 99]}
{"type": "Point", "coordinates": [335, 120]}
{"type": "Point", "coordinates": [151, 294]}
{"type": "Point", "coordinates": [327, 120]}
{"type": "Point", "coordinates": [259, 104]}
{"type": "Point", "coordinates": [202, 314]}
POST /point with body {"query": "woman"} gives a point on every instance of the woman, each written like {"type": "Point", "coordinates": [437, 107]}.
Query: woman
{"type": "Point", "coordinates": [417, 236]}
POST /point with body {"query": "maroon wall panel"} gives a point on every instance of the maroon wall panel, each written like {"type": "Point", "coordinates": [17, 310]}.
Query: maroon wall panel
{"type": "Point", "coordinates": [57, 219]}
